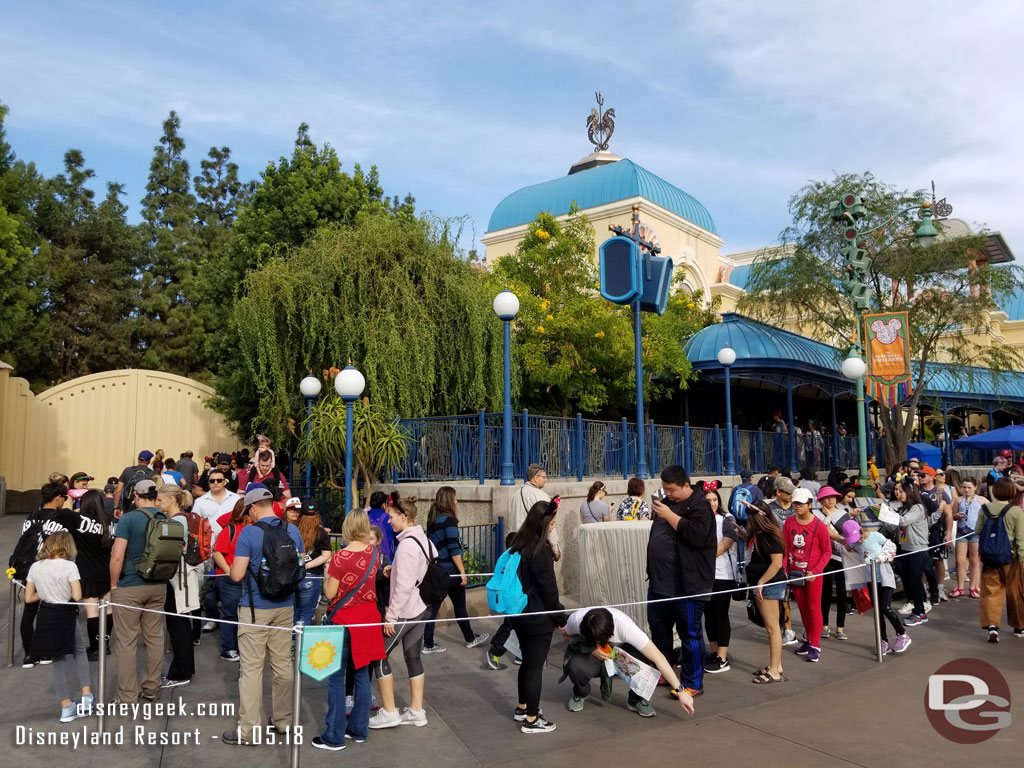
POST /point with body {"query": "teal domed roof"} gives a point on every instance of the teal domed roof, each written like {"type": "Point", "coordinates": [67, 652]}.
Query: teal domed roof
{"type": "Point", "coordinates": [610, 183]}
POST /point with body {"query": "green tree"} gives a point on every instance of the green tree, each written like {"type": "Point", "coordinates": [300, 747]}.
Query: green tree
{"type": "Point", "coordinates": [947, 288]}
{"type": "Point", "coordinates": [575, 348]}
{"type": "Point", "coordinates": [379, 444]}
{"type": "Point", "coordinates": [90, 291]}
{"type": "Point", "coordinates": [295, 197]}
{"type": "Point", "coordinates": [24, 325]}
{"type": "Point", "coordinates": [171, 332]}
{"type": "Point", "coordinates": [391, 294]}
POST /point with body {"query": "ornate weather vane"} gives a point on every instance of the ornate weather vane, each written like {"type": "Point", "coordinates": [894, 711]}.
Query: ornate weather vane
{"type": "Point", "coordinates": [940, 209]}
{"type": "Point", "coordinates": [600, 124]}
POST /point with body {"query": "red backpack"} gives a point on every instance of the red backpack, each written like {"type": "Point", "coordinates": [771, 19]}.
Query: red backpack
{"type": "Point", "coordinates": [199, 539]}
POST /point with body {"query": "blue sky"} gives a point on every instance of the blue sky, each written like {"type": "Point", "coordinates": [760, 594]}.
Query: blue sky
{"type": "Point", "coordinates": [738, 103]}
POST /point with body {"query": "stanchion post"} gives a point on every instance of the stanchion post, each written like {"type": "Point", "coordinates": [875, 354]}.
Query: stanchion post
{"type": "Point", "coordinates": [12, 615]}
{"type": "Point", "coordinates": [296, 696]}
{"type": "Point", "coordinates": [876, 609]}
{"type": "Point", "coordinates": [101, 683]}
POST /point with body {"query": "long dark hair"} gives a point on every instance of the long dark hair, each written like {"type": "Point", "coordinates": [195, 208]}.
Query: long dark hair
{"type": "Point", "coordinates": [761, 524]}
{"type": "Point", "coordinates": [597, 486]}
{"type": "Point", "coordinates": [534, 532]}
{"type": "Point", "coordinates": [913, 493]}
{"type": "Point", "coordinates": [92, 507]}
{"type": "Point", "coordinates": [444, 504]}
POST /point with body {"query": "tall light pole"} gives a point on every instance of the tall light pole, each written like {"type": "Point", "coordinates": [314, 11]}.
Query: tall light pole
{"type": "Point", "coordinates": [856, 284]}
{"type": "Point", "coordinates": [855, 368]}
{"type": "Point", "coordinates": [349, 383]}
{"type": "Point", "coordinates": [506, 305]}
{"type": "Point", "coordinates": [310, 388]}
{"type": "Point", "coordinates": [726, 357]}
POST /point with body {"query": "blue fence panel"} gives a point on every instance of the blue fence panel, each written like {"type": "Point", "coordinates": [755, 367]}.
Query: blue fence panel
{"type": "Point", "coordinates": [481, 546]}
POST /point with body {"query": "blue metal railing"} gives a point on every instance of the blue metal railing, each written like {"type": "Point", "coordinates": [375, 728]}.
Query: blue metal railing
{"type": "Point", "coordinates": [481, 547]}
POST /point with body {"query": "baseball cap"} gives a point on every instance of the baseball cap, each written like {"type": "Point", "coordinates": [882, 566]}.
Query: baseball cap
{"type": "Point", "coordinates": [784, 484]}
{"type": "Point", "coordinates": [144, 487]}
{"type": "Point", "coordinates": [802, 496]}
{"type": "Point", "coordinates": [745, 474]}
{"type": "Point", "coordinates": [257, 492]}
{"type": "Point", "coordinates": [294, 501]}
{"type": "Point", "coordinates": [223, 457]}
{"type": "Point", "coordinates": [851, 532]}
{"type": "Point", "coordinates": [108, 488]}
{"type": "Point", "coordinates": [827, 491]}
{"type": "Point", "coordinates": [145, 455]}
{"type": "Point", "coordinates": [1006, 453]}
{"type": "Point", "coordinates": [928, 471]}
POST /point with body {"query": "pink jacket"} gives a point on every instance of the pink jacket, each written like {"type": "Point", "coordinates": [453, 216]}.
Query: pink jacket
{"type": "Point", "coordinates": [407, 571]}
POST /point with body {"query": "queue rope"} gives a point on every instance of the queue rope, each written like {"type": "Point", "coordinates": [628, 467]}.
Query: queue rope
{"type": "Point", "coordinates": [630, 604]}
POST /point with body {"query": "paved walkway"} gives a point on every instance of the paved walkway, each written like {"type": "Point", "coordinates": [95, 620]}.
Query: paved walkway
{"type": "Point", "coordinates": [847, 710]}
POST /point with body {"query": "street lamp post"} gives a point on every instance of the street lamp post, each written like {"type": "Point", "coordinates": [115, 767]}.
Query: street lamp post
{"type": "Point", "coordinates": [727, 356]}
{"type": "Point", "coordinates": [506, 305]}
{"type": "Point", "coordinates": [310, 388]}
{"type": "Point", "coordinates": [349, 383]}
{"type": "Point", "coordinates": [857, 285]}
{"type": "Point", "coordinates": [855, 368]}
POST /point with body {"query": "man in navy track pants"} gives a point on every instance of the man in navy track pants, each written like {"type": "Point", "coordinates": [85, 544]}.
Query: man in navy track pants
{"type": "Point", "coordinates": [681, 564]}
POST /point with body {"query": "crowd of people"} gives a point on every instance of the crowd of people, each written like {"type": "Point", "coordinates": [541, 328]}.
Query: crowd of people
{"type": "Point", "coordinates": [181, 551]}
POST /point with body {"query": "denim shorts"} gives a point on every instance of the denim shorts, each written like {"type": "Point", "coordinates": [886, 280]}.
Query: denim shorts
{"type": "Point", "coordinates": [974, 538]}
{"type": "Point", "coordinates": [773, 591]}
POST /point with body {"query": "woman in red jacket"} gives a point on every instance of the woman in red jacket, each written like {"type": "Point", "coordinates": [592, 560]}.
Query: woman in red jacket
{"type": "Point", "coordinates": [807, 553]}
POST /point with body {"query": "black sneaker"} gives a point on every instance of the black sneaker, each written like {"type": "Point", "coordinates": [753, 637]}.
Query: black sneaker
{"type": "Point", "coordinates": [321, 744]}
{"type": "Point", "coordinates": [231, 738]}
{"type": "Point", "coordinates": [716, 664]}
{"type": "Point", "coordinates": [1018, 633]}
{"type": "Point", "coordinates": [540, 725]}
{"type": "Point", "coordinates": [993, 634]}
{"type": "Point", "coordinates": [493, 661]}
{"type": "Point", "coordinates": [29, 661]}
{"type": "Point", "coordinates": [92, 654]}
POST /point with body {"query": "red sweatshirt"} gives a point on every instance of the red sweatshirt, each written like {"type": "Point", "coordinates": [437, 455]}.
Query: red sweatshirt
{"type": "Point", "coordinates": [807, 546]}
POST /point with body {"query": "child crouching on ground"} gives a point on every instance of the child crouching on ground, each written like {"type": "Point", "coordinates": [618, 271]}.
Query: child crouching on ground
{"type": "Point", "coordinates": [869, 545]}
{"type": "Point", "coordinates": [54, 579]}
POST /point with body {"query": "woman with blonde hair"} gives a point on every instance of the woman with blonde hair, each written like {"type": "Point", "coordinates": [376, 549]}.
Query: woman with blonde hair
{"type": "Point", "coordinates": [355, 608]}
{"type": "Point", "coordinates": [182, 593]}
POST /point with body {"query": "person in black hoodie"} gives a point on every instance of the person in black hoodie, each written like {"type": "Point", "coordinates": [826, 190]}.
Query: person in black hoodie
{"type": "Point", "coordinates": [680, 564]}
{"type": "Point", "coordinates": [537, 575]}
{"type": "Point", "coordinates": [37, 527]}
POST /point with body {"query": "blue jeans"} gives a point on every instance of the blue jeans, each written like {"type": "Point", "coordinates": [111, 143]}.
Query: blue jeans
{"type": "Point", "coordinates": [358, 723]}
{"type": "Point", "coordinates": [229, 593]}
{"type": "Point", "coordinates": [307, 595]}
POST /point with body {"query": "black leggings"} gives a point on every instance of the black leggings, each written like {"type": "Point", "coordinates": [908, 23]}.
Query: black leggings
{"type": "Point", "coordinates": [457, 594]}
{"type": "Point", "coordinates": [914, 564]}
{"type": "Point", "coordinates": [411, 637]}
{"type": "Point", "coordinates": [716, 615]}
{"type": "Point", "coordinates": [833, 574]}
{"type": "Point", "coordinates": [535, 654]}
{"type": "Point", "coordinates": [885, 606]}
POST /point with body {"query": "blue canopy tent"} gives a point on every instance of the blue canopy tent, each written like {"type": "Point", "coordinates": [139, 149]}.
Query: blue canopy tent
{"type": "Point", "coordinates": [996, 439]}
{"type": "Point", "coordinates": [926, 453]}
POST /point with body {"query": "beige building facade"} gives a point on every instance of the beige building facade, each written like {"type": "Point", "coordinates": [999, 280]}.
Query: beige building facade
{"type": "Point", "coordinates": [99, 423]}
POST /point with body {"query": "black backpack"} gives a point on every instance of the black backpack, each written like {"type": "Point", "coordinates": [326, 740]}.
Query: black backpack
{"type": "Point", "coordinates": [281, 570]}
{"type": "Point", "coordinates": [27, 548]}
{"type": "Point", "coordinates": [128, 492]}
{"type": "Point", "coordinates": [434, 584]}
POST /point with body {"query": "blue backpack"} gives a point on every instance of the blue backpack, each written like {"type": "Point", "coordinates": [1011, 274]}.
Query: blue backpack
{"type": "Point", "coordinates": [504, 590]}
{"type": "Point", "coordinates": [994, 546]}
{"type": "Point", "coordinates": [740, 495]}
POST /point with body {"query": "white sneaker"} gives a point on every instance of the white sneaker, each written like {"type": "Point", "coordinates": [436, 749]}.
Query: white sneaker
{"type": "Point", "coordinates": [411, 716]}
{"type": "Point", "coordinates": [906, 609]}
{"type": "Point", "coordinates": [477, 639]}
{"type": "Point", "coordinates": [789, 637]}
{"type": "Point", "coordinates": [943, 597]}
{"type": "Point", "coordinates": [927, 607]}
{"type": "Point", "coordinates": [386, 719]}
{"type": "Point", "coordinates": [209, 626]}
